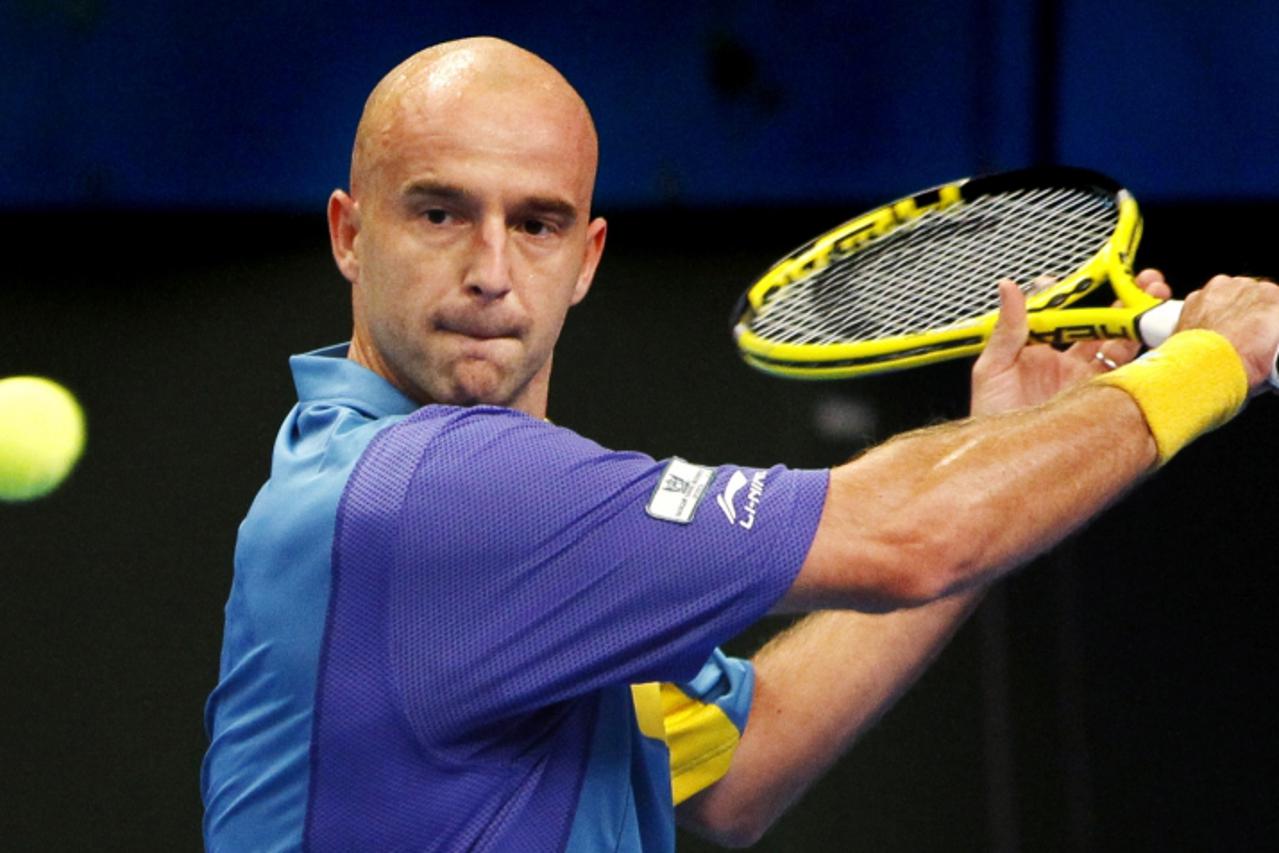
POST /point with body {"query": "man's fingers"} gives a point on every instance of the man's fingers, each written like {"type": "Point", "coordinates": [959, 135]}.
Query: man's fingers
{"type": "Point", "coordinates": [1117, 352]}
{"type": "Point", "coordinates": [1011, 329]}
{"type": "Point", "coordinates": [1121, 352]}
{"type": "Point", "coordinates": [1152, 281]}
{"type": "Point", "coordinates": [1009, 334]}
{"type": "Point", "coordinates": [1149, 275]}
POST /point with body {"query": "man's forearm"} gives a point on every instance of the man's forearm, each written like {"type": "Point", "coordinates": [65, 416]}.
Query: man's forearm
{"type": "Point", "coordinates": [945, 509]}
{"type": "Point", "coordinates": [818, 687]}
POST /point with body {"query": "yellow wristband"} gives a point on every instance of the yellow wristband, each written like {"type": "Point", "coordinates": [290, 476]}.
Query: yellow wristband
{"type": "Point", "coordinates": [1193, 383]}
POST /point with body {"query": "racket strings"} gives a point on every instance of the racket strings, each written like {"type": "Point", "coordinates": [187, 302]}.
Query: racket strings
{"type": "Point", "coordinates": [940, 269]}
{"type": "Point", "coordinates": [936, 248]}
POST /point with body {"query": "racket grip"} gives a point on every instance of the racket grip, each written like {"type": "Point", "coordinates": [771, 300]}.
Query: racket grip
{"type": "Point", "coordinates": [1157, 325]}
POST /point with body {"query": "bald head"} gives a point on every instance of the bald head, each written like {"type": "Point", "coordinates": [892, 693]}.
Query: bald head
{"type": "Point", "coordinates": [465, 76]}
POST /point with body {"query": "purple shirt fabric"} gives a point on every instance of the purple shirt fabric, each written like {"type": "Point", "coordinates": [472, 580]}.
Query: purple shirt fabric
{"type": "Point", "coordinates": [497, 582]}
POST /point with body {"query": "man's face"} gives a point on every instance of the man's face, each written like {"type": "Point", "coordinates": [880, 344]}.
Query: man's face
{"type": "Point", "coordinates": [473, 239]}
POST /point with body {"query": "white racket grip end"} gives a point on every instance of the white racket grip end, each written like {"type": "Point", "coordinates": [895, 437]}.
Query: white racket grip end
{"type": "Point", "coordinates": [1157, 325]}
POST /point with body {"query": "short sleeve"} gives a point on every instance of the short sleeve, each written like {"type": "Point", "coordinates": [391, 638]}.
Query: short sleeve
{"type": "Point", "coordinates": [703, 720]}
{"type": "Point", "coordinates": [525, 565]}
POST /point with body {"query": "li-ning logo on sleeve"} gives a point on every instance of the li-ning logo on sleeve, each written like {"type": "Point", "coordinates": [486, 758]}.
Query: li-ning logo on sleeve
{"type": "Point", "coordinates": [727, 499]}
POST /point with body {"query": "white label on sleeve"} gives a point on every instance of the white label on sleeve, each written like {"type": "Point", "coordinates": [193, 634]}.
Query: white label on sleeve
{"type": "Point", "coordinates": [679, 491]}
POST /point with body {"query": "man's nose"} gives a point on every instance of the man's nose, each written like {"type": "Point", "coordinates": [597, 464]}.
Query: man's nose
{"type": "Point", "coordinates": [489, 274]}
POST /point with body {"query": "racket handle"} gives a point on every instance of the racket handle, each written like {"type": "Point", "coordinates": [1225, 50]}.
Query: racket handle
{"type": "Point", "coordinates": [1157, 325]}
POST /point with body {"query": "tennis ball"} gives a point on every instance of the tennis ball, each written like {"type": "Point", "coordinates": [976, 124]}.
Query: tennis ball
{"type": "Point", "coordinates": [41, 436]}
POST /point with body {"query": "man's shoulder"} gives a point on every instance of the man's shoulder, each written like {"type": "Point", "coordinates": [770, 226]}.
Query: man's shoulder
{"type": "Point", "coordinates": [487, 437]}
{"type": "Point", "coordinates": [453, 463]}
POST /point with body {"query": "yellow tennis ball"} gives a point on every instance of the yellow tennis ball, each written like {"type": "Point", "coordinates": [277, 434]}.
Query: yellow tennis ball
{"type": "Point", "coordinates": [41, 436]}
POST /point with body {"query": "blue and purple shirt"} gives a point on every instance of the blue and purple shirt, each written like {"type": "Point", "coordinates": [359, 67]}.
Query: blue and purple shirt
{"type": "Point", "coordinates": [466, 628]}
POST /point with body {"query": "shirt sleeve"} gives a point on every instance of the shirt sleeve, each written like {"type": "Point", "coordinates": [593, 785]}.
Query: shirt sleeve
{"type": "Point", "coordinates": [702, 721]}
{"type": "Point", "coordinates": [525, 565]}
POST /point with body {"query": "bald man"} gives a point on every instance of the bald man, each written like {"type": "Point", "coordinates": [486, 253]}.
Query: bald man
{"type": "Point", "coordinates": [455, 626]}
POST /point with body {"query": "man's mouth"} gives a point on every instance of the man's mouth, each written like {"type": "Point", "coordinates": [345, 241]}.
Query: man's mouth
{"type": "Point", "coordinates": [483, 334]}
{"type": "Point", "coordinates": [480, 328]}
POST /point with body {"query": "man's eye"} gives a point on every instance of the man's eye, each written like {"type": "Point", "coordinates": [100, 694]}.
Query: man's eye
{"type": "Point", "coordinates": [436, 216]}
{"type": "Point", "coordinates": [536, 227]}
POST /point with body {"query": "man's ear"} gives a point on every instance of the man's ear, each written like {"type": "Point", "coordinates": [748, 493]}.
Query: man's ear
{"type": "Point", "coordinates": [344, 225]}
{"type": "Point", "coordinates": [596, 231]}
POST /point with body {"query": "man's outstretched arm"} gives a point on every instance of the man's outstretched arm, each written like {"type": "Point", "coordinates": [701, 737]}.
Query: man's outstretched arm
{"type": "Point", "coordinates": [824, 682]}
{"type": "Point", "coordinates": [941, 510]}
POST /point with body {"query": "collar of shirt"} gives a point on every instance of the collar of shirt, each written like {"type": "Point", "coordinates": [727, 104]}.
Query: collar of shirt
{"type": "Point", "coordinates": [327, 374]}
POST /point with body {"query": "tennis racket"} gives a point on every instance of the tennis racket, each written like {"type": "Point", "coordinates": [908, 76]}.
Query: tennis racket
{"type": "Point", "coordinates": [914, 282]}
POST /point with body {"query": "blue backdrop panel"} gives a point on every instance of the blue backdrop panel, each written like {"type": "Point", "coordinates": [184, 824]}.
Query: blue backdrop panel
{"type": "Point", "coordinates": [156, 104]}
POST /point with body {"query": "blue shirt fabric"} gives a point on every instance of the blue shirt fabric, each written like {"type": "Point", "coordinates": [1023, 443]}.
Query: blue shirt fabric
{"type": "Point", "coordinates": [437, 615]}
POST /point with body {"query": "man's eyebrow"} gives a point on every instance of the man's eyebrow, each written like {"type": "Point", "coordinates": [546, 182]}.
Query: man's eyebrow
{"type": "Point", "coordinates": [435, 189]}
{"type": "Point", "coordinates": [549, 206]}
{"type": "Point", "coordinates": [535, 205]}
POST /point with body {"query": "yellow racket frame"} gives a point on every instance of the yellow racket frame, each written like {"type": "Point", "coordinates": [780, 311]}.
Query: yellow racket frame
{"type": "Point", "coordinates": [1050, 318]}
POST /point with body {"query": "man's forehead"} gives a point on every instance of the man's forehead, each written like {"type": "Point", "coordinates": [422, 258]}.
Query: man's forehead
{"type": "Point", "coordinates": [505, 139]}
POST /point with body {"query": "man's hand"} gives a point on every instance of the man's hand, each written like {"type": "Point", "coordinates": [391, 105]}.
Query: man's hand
{"type": "Point", "coordinates": [1013, 374]}
{"type": "Point", "coordinates": [1246, 312]}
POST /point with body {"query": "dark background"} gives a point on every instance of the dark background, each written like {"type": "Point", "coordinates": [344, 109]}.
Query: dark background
{"type": "Point", "coordinates": [165, 169]}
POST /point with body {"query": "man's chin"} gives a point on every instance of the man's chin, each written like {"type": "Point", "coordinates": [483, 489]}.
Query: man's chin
{"type": "Point", "coordinates": [480, 384]}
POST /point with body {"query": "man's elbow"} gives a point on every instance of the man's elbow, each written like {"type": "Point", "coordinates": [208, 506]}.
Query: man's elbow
{"type": "Point", "coordinates": [893, 557]}
{"type": "Point", "coordinates": [727, 824]}
{"type": "Point", "coordinates": [927, 574]}
{"type": "Point", "coordinates": [913, 569]}
{"type": "Point", "coordinates": [733, 838]}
